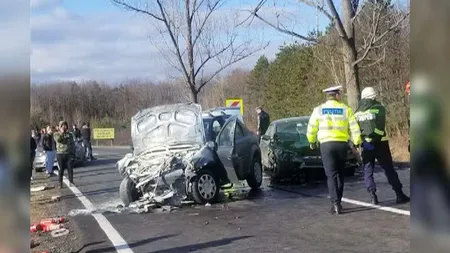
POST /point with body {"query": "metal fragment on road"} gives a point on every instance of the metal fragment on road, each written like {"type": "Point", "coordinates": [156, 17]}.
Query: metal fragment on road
{"type": "Point", "coordinates": [56, 198]}
{"type": "Point", "coordinates": [59, 232]}
{"type": "Point", "coordinates": [38, 188]}
{"type": "Point", "coordinates": [207, 204]}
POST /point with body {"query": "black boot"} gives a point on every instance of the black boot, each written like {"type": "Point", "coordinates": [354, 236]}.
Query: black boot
{"type": "Point", "coordinates": [402, 198]}
{"type": "Point", "coordinates": [336, 209]}
{"type": "Point", "coordinates": [374, 198]}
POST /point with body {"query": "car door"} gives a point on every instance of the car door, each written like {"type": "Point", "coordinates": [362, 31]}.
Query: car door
{"type": "Point", "coordinates": [242, 159]}
{"type": "Point", "coordinates": [225, 149]}
{"type": "Point", "coordinates": [264, 144]}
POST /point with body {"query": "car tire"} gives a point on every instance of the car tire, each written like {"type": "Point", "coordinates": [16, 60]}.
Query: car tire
{"type": "Point", "coordinates": [205, 187]}
{"type": "Point", "coordinates": [128, 192]}
{"type": "Point", "coordinates": [254, 180]}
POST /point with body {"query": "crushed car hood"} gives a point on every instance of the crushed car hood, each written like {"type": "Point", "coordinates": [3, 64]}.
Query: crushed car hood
{"type": "Point", "coordinates": [164, 126]}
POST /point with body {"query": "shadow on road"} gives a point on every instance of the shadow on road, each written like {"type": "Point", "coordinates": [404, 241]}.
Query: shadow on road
{"type": "Point", "coordinates": [87, 245]}
{"type": "Point", "coordinates": [132, 245]}
{"type": "Point", "coordinates": [199, 246]}
{"type": "Point", "coordinates": [91, 193]}
{"type": "Point", "coordinates": [89, 170]}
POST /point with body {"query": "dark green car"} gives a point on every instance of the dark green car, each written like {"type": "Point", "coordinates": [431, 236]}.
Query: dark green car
{"type": "Point", "coordinates": [286, 154]}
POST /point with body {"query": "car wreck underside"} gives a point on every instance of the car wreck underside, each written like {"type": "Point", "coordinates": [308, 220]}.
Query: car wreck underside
{"type": "Point", "coordinates": [169, 152]}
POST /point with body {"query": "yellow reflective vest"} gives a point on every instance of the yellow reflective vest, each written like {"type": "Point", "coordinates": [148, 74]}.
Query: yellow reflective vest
{"type": "Point", "coordinates": [332, 121]}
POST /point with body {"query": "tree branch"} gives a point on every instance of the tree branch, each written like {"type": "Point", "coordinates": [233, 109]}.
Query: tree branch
{"type": "Point", "coordinates": [318, 7]}
{"type": "Point", "coordinates": [210, 11]}
{"type": "Point", "coordinates": [228, 64]}
{"type": "Point", "coordinates": [375, 39]}
{"type": "Point", "coordinates": [132, 8]}
{"type": "Point", "coordinates": [277, 27]}
{"type": "Point", "coordinates": [214, 56]}
{"type": "Point", "coordinates": [337, 20]}
{"type": "Point", "coordinates": [172, 37]}
{"type": "Point", "coordinates": [375, 62]}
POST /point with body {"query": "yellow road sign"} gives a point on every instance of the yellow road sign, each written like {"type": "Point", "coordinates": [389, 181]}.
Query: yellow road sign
{"type": "Point", "coordinates": [103, 133]}
{"type": "Point", "coordinates": [235, 102]}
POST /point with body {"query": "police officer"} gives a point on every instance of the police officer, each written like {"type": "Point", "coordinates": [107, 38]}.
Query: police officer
{"type": "Point", "coordinates": [371, 116]}
{"type": "Point", "coordinates": [329, 124]}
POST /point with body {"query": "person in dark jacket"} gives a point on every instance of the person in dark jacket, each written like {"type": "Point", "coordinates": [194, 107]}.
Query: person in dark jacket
{"type": "Point", "coordinates": [49, 146]}
{"type": "Point", "coordinates": [65, 152]}
{"type": "Point", "coordinates": [263, 122]}
{"type": "Point", "coordinates": [371, 117]}
{"type": "Point", "coordinates": [76, 132]}
{"type": "Point", "coordinates": [33, 147]}
{"type": "Point", "coordinates": [86, 136]}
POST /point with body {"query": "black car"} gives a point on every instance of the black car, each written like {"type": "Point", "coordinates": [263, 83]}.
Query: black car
{"type": "Point", "coordinates": [285, 152]}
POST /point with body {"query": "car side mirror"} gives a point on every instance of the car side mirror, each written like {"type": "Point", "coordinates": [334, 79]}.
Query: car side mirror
{"type": "Point", "coordinates": [212, 145]}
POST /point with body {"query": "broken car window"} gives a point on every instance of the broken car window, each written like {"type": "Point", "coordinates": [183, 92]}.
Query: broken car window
{"type": "Point", "coordinates": [226, 138]}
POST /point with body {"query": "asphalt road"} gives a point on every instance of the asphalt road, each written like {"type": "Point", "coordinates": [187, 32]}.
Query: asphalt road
{"type": "Point", "coordinates": [286, 219]}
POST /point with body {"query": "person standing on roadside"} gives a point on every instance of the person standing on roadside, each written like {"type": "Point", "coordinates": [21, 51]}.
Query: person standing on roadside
{"type": "Point", "coordinates": [86, 136]}
{"type": "Point", "coordinates": [330, 125]}
{"type": "Point", "coordinates": [65, 152]}
{"type": "Point", "coordinates": [49, 146]}
{"type": "Point", "coordinates": [33, 147]}
{"type": "Point", "coordinates": [371, 117]}
{"type": "Point", "coordinates": [76, 132]}
{"type": "Point", "coordinates": [263, 122]}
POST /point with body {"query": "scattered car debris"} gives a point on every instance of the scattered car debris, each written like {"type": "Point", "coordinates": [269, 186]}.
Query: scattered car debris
{"type": "Point", "coordinates": [33, 244]}
{"type": "Point", "coordinates": [207, 204]}
{"type": "Point", "coordinates": [194, 214]}
{"type": "Point", "coordinates": [60, 232]}
{"type": "Point", "coordinates": [38, 188]}
{"type": "Point", "coordinates": [56, 198]}
{"type": "Point", "coordinates": [206, 223]}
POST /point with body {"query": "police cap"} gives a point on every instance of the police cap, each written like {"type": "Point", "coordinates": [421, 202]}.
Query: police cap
{"type": "Point", "coordinates": [333, 90]}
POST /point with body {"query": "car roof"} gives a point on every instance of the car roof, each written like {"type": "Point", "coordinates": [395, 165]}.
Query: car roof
{"type": "Point", "coordinates": [286, 120]}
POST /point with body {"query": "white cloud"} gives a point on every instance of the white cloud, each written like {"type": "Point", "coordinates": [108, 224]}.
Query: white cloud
{"type": "Point", "coordinates": [109, 46]}
{"type": "Point", "coordinates": [40, 4]}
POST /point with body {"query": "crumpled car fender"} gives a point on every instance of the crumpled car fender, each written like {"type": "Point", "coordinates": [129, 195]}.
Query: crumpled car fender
{"type": "Point", "coordinates": [206, 158]}
{"type": "Point", "coordinates": [123, 163]}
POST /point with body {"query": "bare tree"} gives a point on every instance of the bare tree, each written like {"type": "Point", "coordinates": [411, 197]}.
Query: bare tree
{"type": "Point", "coordinates": [196, 40]}
{"type": "Point", "coordinates": [345, 24]}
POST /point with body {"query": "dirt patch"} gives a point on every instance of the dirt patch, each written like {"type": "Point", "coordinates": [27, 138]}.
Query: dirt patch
{"type": "Point", "coordinates": [42, 207]}
{"type": "Point", "coordinates": [399, 148]}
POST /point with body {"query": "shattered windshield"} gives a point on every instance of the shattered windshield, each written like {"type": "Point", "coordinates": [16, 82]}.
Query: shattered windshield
{"type": "Point", "coordinates": [293, 131]}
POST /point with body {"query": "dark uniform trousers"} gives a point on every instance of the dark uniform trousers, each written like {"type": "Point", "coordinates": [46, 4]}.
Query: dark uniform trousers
{"type": "Point", "coordinates": [382, 153]}
{"type": "Point", "coordinates": [334, 156]}
{"type": "Point", "coordinates": [65, 161]}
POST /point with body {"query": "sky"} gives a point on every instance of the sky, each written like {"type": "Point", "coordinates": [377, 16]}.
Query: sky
{"type": "Point", "coordinates": [76, 40]}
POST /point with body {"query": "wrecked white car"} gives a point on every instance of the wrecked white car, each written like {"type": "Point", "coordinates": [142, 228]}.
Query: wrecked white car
{"type": "Point", "coordinates": [172, 161]}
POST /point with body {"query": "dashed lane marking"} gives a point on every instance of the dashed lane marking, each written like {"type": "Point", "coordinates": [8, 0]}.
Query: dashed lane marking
{"type": "Point", "coordinates": [383, 208]}
{"type": "Point", "coordinates": [356, 202]}
{"type": "Point", "coordinates": [116, 239]}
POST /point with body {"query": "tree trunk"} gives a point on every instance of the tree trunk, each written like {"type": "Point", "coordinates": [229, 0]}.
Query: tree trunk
{"type": "Point", "coordinates": [351, 75]}
{"type": "Point", "coordinates": [194, 96]}
{"type": "Point", "coordinates": [350, 55]}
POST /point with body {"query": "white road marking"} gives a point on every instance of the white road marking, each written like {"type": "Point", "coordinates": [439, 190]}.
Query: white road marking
{"type": "Point", "coordinates": [116, 239]}
{"type": "Point", "coordinates": [383, 208]}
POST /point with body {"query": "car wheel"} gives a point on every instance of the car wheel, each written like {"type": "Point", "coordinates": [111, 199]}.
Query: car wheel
{"type": "Point", "coordinates": [255, 178]}
{"type": "Point", "coordinates": [128, 192]}
{"type": "Point", "coordinates": [205, 187]}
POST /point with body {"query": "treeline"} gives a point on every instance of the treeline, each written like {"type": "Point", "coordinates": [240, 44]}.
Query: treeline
{"type": "Point", "coordinates": [289, 85]}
